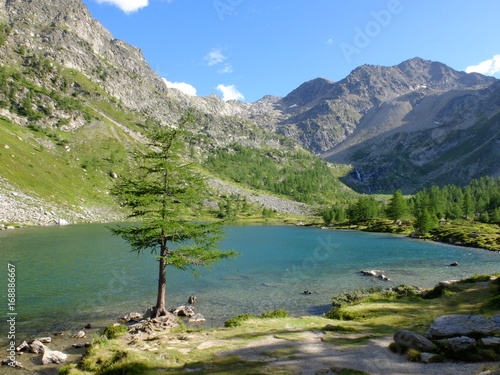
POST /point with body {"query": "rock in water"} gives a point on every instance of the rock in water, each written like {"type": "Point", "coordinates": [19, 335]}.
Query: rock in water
{"type": "Point", "coordinates": [461, 325]}
{"type": "Point", "coordinates": [11, 363]}
{"type": "Point", "coordinates": [196, 318]}
{"type": "Point", "coordinates": [36, 347]}
{"type": "Point", "coordinates": [79, 335]}
{"type": "Point", "coordinates": [408, 339]}
{"type": "Point", "coordinates": [193, 300]}
{"type": "Point", "coordinates": [52, 356]}
{"type": "Point", "coordinates": [187, 311]}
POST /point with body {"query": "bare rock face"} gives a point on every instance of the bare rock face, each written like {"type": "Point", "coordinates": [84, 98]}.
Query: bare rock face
{"type": "Point", "coordinates": [461, 325]}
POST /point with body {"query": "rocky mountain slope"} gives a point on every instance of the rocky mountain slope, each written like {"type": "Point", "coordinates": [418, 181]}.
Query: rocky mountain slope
{"type": "Point", "coordinates": [407, 126]}
{"type": "Point", "coordinates": [74, 102]}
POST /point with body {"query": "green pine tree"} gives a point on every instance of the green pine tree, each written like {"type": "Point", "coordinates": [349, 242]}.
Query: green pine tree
{"type": "Point", "coordinates": [398, 207]}
{"type": "Point", "coordinates": [162, 194]}
{"type": "Point", "coordinates": [425, 221]}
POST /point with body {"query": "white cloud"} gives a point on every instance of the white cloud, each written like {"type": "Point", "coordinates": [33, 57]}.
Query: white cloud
{"type": "Point", "coordinates": [128, 6]}
{"type": "Point", "coordinates": [228, 68]}
{"type": "Point", "coordinates": [489, 67]}
{"type": "Point", "coordinates": [214, 57]}
{"type": "Point", "coordinates": [230, 92]}
{"type": "Point", "coordinates": [186, 88]}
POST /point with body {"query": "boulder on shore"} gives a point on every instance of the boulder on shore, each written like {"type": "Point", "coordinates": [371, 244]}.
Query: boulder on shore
{"type": "Point", "coordinates": [135, 317]}
{"type": "Point", "coordinates": [408, 339]}
{"type": "Point", "coordinates": [459, 344]}
{"type": "Point", "coordinates": [461, 325]}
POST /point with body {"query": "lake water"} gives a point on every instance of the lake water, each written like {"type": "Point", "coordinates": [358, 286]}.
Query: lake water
{"type": "Point", "coordinates": [69, 276]}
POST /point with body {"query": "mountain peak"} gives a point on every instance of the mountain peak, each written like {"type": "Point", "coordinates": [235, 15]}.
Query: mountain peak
{"type": "Point", "coordinates": [308, 92]}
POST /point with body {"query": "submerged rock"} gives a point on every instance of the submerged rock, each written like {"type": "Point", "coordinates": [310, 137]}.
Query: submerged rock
{"type": "Point", "coordinates": [372, 272]}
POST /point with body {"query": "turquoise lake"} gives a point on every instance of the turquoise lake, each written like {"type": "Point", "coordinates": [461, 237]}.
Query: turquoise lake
{"type": "Point", "coordinates": [78, 274]}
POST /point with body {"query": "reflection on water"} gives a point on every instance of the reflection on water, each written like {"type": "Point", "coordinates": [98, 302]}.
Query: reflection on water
{"type": "Point", "coordinates": [71, 275]}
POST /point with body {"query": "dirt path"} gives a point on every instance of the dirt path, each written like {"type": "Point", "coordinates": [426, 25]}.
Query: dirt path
{"type": "Point", "coordinates": [311, 355]}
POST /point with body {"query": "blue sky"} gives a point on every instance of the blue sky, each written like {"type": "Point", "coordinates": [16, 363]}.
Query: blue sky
{"type": "Point", "coordinates": [245, 49]}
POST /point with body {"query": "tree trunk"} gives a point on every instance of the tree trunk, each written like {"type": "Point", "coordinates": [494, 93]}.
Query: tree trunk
{"type": "Point", "coordinates": [159, 309]}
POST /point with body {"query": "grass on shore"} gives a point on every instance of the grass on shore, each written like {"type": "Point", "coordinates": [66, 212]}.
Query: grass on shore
{"type": "Point", "coordinates": [226, 350]}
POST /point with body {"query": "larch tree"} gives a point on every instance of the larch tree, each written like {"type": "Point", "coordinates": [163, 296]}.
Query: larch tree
{"type": "Point", "coordinates": [164, 194]}
{"type": "Point", "coordinates": [397, 207]}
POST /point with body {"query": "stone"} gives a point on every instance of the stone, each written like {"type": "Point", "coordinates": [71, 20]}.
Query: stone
{"type": "Point", "coordinates": [114, 175]}
{"type": "Point", "coordinates": [53, 356]}
{"type": "Point", "coordinates": [196, 318]}
{"type": "Point", "coordinates": [192, 300]}
{"type": "Point", "coordinates": [62, 222]}
{"type": "Point", "coordinates": [79, 335]}
{"type": "Point", "coordinates": [372, 272]}
{"type": "Point", "coordinates": [490, 341]}
{"type": "Point", "coordinates": [454, 264]}
{"type": "Point", "coordinates": [187, 311]}
{"type": "Point", "coordinates": [88, 326]}
{"type": "Point", "coordinates": [45, 340]}
{"type": "Point", "coordinates": [448, 282]}
{"type": "Point", "coordinates": [496, 320]}
{"type": "Point", "coordinates": [428, 357]}
{"type": "Point", "coordinates": [24, 346]}
{"type": "Point", "coordinates": [409, 339]}
{"type": "Point", "coordinates": [135, 317]}
{"type": "Point", "coordinates": [78, 346]}
{"type": "Point", "coordinates": [461, 325]}
{"type": "Point", "coordinates": [11, 363]}
{"type": "Point", "coordinates": [383, 277]}
{"type": "Point", "coordinates": [36, 347]}
{"type": "Point", "coordinates": [458, 344]}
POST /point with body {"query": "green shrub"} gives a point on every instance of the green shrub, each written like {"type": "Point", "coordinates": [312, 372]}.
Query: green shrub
{"type": "Point", "coordinates": [340, 314]}
{"type": "Point", "coordinates": [348, 298]}
{"type": "Point", "coordinates": [413, 355]}
{"type": "Point", "coordinates": [406, 290]}
{"type": "Point", "coordinates": [278, 313]}
{"type": "Point", "coordinates": [237, 320]}
{"type": "Point", "coordinates": [395, 347]}
{"type": "Point", "coordinates": [436, 292]}
{"type": "Point", "coordinates": [494, 302]}
{"type": "Point", "coordinates": [114, 331]}
{"type": "Point", "coordinates": [475, 279]}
